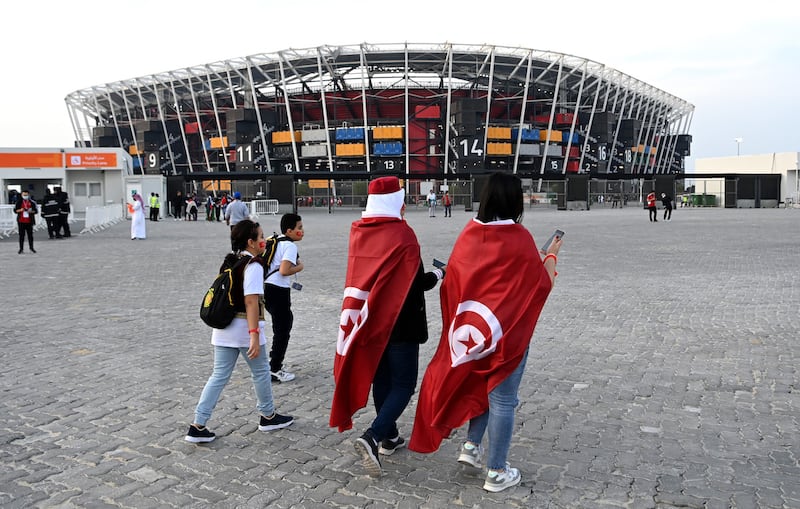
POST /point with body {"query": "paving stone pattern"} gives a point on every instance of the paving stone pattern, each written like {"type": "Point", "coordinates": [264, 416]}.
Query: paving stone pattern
{"type": "Point", "coordinates": [663, 372]}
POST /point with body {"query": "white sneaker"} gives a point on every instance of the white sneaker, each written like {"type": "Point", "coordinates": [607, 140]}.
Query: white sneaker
{"type": "Point", "coordinates": [498, 481]}
{"type": "Point", "coordinates": [282, 376]}
{"type": "Point", "coordinates": [470, 455]}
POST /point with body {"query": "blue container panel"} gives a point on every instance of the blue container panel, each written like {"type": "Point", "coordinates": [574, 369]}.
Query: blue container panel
{"type": "Point", "coordinates": [527, 134]}
{"type": "Point", "coordinates": [388, 148]}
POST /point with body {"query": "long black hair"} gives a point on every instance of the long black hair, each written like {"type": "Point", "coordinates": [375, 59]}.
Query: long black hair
{"type": "Point", "coordinates": [501, 198]}
{"type": "Point", "coordinates": [241, 232]}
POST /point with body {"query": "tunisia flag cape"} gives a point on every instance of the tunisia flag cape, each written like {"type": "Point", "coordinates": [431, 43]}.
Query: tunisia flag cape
{"type": "Point", "coordinates": [383, 260]}
{"type": "Point", "coordinates": [494, 291]}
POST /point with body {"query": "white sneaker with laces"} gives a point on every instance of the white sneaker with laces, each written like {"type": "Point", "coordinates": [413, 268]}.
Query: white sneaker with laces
{"type": "Point", "coordinates": [498, 481]}
{"type": "Point", "coordinates": [470, 455]}
{"type": "Point", "coordinates": [282, 376]}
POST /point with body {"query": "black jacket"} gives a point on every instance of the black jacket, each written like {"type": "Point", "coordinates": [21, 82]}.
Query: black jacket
{"type": "Point", "coordinates": [33, 210]}
{"type": "Point", "coordinates": [50, 206]}
{"type": "Point", "coordinates": [63, 203]}
{"type": "Point", "coordinates": [412, 323]}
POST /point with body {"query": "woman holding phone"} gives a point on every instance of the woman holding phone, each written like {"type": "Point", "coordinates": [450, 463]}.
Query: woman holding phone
{"type": "Point", "coordinates": [490, 306]}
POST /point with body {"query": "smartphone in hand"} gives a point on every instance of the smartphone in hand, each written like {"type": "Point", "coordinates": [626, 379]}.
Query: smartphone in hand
{"type": "Point", "coordinates": [438, 263]}
{"type": "Point", "coordinates": [557, 233]}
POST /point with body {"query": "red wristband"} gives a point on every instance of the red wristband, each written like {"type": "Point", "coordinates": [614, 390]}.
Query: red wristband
{"type": "Point", "coordinates": [253, 330]}
{"type": "Point", "coordinates": [551, 255]}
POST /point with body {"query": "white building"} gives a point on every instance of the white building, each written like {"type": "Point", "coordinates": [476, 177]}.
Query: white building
{"type": "Point", "coordinates": [785, 164]}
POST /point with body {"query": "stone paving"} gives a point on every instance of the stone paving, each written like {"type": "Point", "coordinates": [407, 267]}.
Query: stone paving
{"type": "Point", "coordinates": [663, 372]}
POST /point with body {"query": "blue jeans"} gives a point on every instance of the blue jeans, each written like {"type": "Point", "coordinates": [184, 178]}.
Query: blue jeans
{"type": "Point", "coordinates": [224, 362]}
{"type": "Point", "coordinates": [503, 400]}
{"type": "Point", "coordinates": [393, 386]}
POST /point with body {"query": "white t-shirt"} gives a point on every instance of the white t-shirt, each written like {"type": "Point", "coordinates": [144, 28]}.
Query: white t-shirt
{"type": "Point", "coordinates": [236, 334]}
{"type": "Point", "coordinates": [286, 250]}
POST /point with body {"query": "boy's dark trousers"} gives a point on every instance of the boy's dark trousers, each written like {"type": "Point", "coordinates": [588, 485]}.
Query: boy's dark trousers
{"type": "Point", "coordinates": [279, 305]}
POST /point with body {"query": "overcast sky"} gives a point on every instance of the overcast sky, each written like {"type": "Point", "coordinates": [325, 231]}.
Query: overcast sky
{"type": "Point", "coordinates": [739, 64]}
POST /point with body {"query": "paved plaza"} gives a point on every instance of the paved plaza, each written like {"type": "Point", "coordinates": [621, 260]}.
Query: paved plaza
{"type": "Point", "coordinates": [663, 372]}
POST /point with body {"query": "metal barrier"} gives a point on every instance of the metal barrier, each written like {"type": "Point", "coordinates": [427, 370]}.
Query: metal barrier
{"type": "Point", "coordinates": [101, 217]}
{"type": "Point", "coordinates": [259, 207]}
{"type": "Point", "coordinates": [8, 220]}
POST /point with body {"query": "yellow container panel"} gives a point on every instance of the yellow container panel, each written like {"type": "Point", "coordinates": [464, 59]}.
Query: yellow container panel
{"type": "Point", "coordinates": [133, 150]}
{"type": "Point", "coordinates": [499, 133]}
{"type": "Point", "coordinates": [219, 142]}
{"type": "Point", "coordinates": [387, 133]}
{"type": "Point", "coordinates": [555, 136]}
{"type": "Point", "coordinates": [498, 149]}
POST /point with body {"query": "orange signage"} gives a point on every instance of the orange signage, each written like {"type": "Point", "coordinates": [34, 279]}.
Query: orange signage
{"type": "Point", "coordinates": [30, 160]}
{"type": "Point", "coordinates": [91, 160]}
{"type": "Point", "coordinates": [318, 184]}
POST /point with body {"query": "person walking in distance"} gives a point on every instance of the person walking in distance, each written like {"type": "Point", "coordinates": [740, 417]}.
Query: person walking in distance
{"type": "Point", "coordinates": [666, 200]}
{"type": "Point", "coordinates": [490, 306]}
{"type": "Point", "coordinates": [382, 324]}
{"type": "Point", "coordinates": [277, 293]}
{"type": "Point", "coordinates": [237, 210]}
{"type": "Point", "coordinates": [244, 336]}
{"type": "Point", "coordinates": [136, 210]}
{"type": "Point", "coordinates": [447, 205]}
{"type": "Point", "coordinates": [26, 210]}
{"type": "Point", "coordinates": [64, 209]}
{"type": "Point", "coordinates": [431, 199]}
{"type": "Point", "coordinates": [651, 206]}
{"type": "Point", "coordinates": [178, 206]}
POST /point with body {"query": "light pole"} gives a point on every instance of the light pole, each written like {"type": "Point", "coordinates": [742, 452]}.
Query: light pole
{"type": "Point", "coordinates": [738, 143]}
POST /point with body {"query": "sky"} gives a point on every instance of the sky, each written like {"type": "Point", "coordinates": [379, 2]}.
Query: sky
{"type": "Point", "coordinates": [737, 63]}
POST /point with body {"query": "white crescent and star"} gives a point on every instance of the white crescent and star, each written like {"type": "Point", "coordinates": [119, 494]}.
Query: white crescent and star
{"type": "Point", "coordinates": [474, 332]}
{"type": "Point", "coordinates": [352, 318]}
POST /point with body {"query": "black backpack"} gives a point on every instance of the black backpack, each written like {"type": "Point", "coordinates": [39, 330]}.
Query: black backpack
{"type": "Point", "coordinates": [269, 253]}
{"type": "Point", "coordinates": [217, 309]}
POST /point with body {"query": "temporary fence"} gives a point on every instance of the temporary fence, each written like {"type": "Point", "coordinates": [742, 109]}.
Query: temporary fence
{"type": "Point", "coordinates": [262, 207]}
{"type": "Point", "coordinates": [8, 222]}
{"type": "Point", "coordinates": [101, 217]}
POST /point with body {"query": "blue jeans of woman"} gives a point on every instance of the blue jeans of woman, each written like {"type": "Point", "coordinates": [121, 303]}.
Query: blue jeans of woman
{"type": "Point", "coordinates": [499, 419]}
{"type": "Point", "coordinates": [393, 386]}
{"type": "Point", "coordinates": [224, 362]}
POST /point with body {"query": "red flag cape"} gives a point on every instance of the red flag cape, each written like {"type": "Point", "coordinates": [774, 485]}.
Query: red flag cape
{"type": "Point", "coordinates": [494, 291]}
{"type": "Point", "coordinates": [383, 260]}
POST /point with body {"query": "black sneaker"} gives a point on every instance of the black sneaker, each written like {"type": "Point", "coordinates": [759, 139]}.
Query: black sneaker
{"type": "Point", "coordinates": [277, 421]}
{"type": "Point", "coordinates": [389, 445]}
{"type": "Point", "coordinates": [199, 435]}
{"type": "Point", "coordinates": [367, 447]}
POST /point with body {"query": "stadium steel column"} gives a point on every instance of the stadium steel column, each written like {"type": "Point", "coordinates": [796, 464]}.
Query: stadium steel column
{"type": "Point", "coordinates": [222, 140]}
{"type": "Point", "coordinates": [166, 134]}
{"type": "Point", "coordinates": [288, 111]}
{"type": "Point", "coordinates": [323, 95]}
{"type": "Point", "coordinates": [133, 130]}
{"type": "Point", "coordinates": [199, 122]}
{"type": "Point", "coordinates": [180, 125]}
{"type": "Point", "coordinates": [264, 149]}
{"type": "Point", "coordinates": [552, 114]}
{"type": "Point", "coordinates": [489, 92]}
{"type": "Point", "coordinates": [522, 110]}
{"type": "Point", "coordinates": [449, 121]}
{"type": "Point", "coordinates": [364, 111]}
{"type": "Point", "coordinates": [597, 83]}
{"type": "Point", "coordinates": [405, 106]}
{"type": "Point", "coordinates": [574, 118]}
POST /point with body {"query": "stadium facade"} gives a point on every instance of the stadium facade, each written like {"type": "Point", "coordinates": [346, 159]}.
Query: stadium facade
{"type": "Point", "coordinates": [416, 110]}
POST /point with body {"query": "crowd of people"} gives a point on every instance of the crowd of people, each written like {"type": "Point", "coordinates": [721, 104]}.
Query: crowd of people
{"type": "Point", "coordinates": [55, 211]}
{"type": "Point", "coordinates": [475, 374]}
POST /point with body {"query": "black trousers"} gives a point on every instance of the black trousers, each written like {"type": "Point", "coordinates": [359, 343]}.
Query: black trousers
{"type": "Point", "coordinates": [279, 306]}
{"type": "Point", "coordinates": [25, 228]}
{"type": "Point", "coordinates": [63, 224]}
{"type": "Point", "coordinates": [653, 213]}
{"type": "Point", "coordinates": [668, 213]}
{"type": "Point", "coordinates": [52, 227]}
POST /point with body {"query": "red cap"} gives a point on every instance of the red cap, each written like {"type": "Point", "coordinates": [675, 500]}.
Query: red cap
{"type": "Point", "coordinates": [384, 185]}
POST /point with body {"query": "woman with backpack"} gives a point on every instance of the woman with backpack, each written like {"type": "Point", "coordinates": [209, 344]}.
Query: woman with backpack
{"type": "Point", "coordinates": [244, 335]}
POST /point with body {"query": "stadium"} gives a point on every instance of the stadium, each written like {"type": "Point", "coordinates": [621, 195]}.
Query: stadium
{"type": "Point", "coordinates": [438, 116]}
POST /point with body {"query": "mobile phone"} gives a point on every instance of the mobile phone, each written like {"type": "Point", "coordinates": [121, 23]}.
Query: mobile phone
{"type": "Point", "coordinates": [297, 286]}
{"type": "Point", "coordinates": [557, 233]}
{"type": "Point", "coordinates": [438, 263]}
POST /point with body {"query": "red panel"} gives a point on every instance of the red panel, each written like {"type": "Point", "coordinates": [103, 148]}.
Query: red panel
{"type": "Point", "coordinates": [563, 119]}
{"type": "Point", "coordinates": [431, 112]}
{"type": "Point", "coordinates": [192, 128]}
{"type": "Point", "coordinates": [572, 166]}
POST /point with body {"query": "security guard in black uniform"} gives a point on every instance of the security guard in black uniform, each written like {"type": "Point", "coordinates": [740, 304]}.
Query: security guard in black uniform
{"type": "Point", "coordinates": [50, 212]}
{"type": "Point", "coordinates": [63, 212]}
